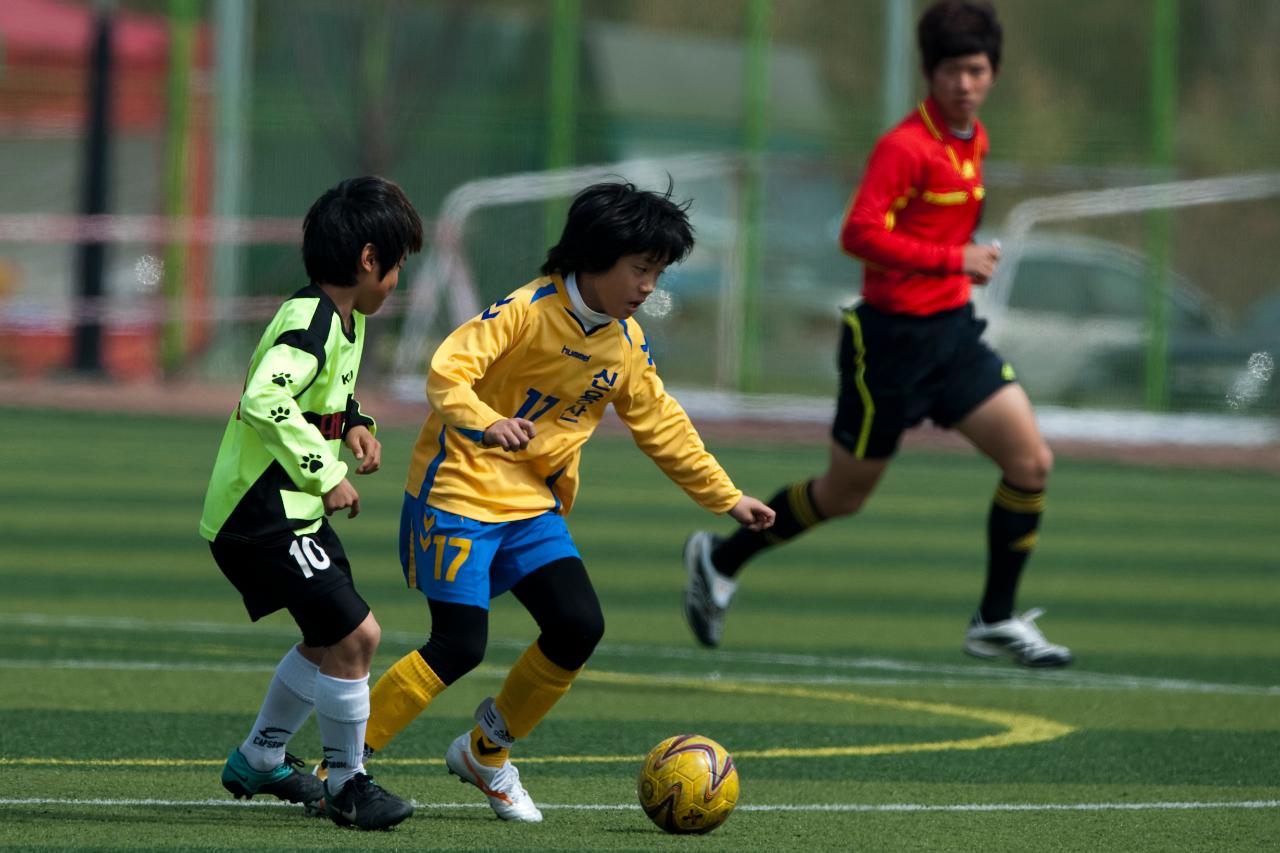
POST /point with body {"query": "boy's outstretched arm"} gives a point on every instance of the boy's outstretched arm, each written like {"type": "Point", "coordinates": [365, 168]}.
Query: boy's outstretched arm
{"type": "Point", "coordinates": [662, 429]}
{"type": "Point", "coordinates": [752, 514]}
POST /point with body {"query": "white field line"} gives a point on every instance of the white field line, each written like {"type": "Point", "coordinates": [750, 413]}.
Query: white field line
{"type": "Point", "coordinates": [760, 807]}
{"type": "Point", "coordinates": [896, 672]}
{"type": "Point", "coordinates": [494, 671]}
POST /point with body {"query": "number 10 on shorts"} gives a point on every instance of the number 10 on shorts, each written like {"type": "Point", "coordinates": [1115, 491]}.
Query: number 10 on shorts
{"type": "Point", "coordinates": [309, 555]}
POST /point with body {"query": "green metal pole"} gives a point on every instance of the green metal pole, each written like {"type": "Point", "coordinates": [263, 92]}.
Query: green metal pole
{"type": "Point", "coordinates": [754, 140]}
{"type": "Point", "coordinates": [182, 27]}
{"type": "Point", "coordinates": [1164, 64]}
{"type": "Point", "coordinates": [233, 27]}
{"type": "Point", "coordinates": [375, 61]}
{"type": "Point", "coordinates": [898, 67]}
{"type": "Point", "coordinates": [562, 101]}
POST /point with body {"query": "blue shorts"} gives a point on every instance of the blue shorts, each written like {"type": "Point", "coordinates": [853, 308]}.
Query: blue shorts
{"type": "Point", "coordinates": [460, 560]}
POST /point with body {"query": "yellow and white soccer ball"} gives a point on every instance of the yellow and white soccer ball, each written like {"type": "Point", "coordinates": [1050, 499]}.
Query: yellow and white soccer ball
{"type": "Point", "coordinates": [688, 784]}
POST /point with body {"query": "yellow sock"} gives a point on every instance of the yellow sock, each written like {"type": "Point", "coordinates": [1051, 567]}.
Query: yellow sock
{"type": "Point", "coordinates": [533, 686]}
{"type": "Point", "coordinates": [400, 695]}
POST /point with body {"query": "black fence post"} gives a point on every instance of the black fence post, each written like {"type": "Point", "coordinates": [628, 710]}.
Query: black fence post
{"type": "Point", "coordinates": [92, 251]}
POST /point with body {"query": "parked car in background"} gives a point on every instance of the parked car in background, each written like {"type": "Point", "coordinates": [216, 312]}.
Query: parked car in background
{"type": "Point", "coordinates": [1076, 329]}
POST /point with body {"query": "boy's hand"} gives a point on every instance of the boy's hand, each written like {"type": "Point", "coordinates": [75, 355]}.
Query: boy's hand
{"type": "Point", "coordinates": [752, 514]}
{"type": "Point", "coordinates": [342, 496]}
{"type": "Point", "coordinates": [980, 261]}
{"type": "Point", "coordinates": [509, 434]}
{"type": "Point", "coordinates": [367, 449]}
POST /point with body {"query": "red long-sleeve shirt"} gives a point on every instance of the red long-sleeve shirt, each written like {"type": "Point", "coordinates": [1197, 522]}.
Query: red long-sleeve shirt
{"type": "Point", "coordinates": [917, 207]}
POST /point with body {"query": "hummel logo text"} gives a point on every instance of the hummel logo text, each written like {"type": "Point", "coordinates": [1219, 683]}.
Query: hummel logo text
{"type": "Point", "coordinates": [573, 353]}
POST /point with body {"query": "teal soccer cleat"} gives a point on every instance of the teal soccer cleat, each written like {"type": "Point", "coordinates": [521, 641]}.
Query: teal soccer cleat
{"type": "Point", "coordinates": [283, 782]}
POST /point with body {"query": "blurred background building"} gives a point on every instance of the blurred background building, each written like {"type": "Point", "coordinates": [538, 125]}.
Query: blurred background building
{"type": "Point", "coordinates": [198, 139]}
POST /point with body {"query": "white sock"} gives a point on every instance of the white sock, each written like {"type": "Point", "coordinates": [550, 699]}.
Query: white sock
{"type": "Point", "coordinates": [289, 701]}
{"type": "Point", "coordinates": [342, 709]}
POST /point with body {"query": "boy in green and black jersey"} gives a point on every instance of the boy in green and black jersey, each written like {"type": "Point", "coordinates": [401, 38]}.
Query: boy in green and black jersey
{"type": "Point", "coordinates": [276, 478]}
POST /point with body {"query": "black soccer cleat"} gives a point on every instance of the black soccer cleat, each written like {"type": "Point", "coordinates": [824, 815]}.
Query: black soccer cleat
{"type": "Point", "coordinates": [362, 803]}
{"type": "Point", "coordinates": [283, 782]}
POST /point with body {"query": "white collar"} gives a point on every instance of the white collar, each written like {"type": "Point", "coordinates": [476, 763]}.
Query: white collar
{"type": "Point", "coordinates": [589, 318]}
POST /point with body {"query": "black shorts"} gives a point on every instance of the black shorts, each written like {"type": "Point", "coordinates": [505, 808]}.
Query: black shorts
{"type": "Point", "coordinates": [898, 369]}
{"type": "Point", "coordinates": [309, 575]}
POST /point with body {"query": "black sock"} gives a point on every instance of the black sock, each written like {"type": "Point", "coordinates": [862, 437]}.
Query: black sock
{"type": "Point", "coordinates": [1011, 534]}
{"type": "Point", "coordinates": [796, 514]}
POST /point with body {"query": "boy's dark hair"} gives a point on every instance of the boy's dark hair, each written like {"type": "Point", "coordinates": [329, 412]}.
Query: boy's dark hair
{"type": "Point", "coordinates": [609, 220]}
{"type": "Point", "coordinates": [355, 213]}
{"type": "Point", "coordinates": [951, 28]}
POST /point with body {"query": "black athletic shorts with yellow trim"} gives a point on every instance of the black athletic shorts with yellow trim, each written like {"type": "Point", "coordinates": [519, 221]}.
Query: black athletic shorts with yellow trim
{"type": "Point", "coordinates": [898, 369]}
{"type": "Point", "coordinates": [309, 575]}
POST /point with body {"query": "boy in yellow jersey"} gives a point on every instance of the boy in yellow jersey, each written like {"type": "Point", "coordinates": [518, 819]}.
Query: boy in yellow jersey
{"type": "Point", "coordinates": [515, 393]}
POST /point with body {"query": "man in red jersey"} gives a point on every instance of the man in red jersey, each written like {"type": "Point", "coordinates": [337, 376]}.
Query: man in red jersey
{"type": "Point", "coordinates": [912, 348]}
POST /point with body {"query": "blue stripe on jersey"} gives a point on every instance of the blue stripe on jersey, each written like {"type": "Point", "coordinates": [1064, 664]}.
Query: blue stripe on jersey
{"type": "Point", "coordinates": [429, 479]}
{"type": "Point", "coordinates": [545, 290]}
{"type": "Point", "coordinates": [475, 435]}
{"type": "Point", "coordinates": [623, 324]}
{"type": "Point", "coordinates": [486, 315]}
{"type": "Point", "coordinates": [551, 482]}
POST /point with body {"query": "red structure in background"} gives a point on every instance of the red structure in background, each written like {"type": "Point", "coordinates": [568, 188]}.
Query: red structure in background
{"type": "Point", "coordinates": [45, 46]}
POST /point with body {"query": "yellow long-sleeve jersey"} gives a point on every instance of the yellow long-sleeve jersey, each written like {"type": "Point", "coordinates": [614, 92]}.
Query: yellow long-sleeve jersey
{"type": "Point", "coordinates": [529, 356]}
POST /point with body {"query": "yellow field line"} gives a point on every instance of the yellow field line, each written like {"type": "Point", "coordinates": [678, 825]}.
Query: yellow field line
{"type": "Point", "coordinates": [1018, 729]}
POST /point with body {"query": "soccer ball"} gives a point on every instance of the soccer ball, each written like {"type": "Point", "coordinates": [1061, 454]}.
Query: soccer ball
{"type": "Point", "coordinates": [688, 784]}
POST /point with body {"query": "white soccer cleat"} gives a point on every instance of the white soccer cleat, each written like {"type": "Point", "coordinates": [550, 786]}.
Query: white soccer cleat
{"type": "Point", "coordinates": [501, 785]}
{"type": "Point", "coordinates": [707, 593]}
{"type": "Point", "coordinates": [1017, 638]}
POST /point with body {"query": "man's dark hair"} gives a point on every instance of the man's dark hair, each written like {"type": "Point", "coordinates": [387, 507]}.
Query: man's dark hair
{"type": "Point", "coordinates": [609, 220]}
{"type": "Point", "coordinates": [350, 216]}
{"type": "Point", "coordinates": [951, 28]}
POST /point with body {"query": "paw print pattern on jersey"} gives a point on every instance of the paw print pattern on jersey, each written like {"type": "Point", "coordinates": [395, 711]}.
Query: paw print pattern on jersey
{"type": "Point", "coordinates": [280, 413]}
{"type": "Point", "coordinates": [282, 379]}
{"type": "Point", "coordinates": [312, 462]}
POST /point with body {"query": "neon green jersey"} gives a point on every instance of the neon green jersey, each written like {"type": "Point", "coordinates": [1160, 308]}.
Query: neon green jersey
{"type": "Point", "coordinates": [529, 355]}
{"type": "Point", "coordinates": [279, 453]}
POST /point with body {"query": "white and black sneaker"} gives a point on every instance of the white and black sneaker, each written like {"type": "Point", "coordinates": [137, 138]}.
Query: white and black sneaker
{"type": "Point", "coordinates": [362, 803]}
{"type": "Point", "coordinates": [1016, 638]}
{"type": "Point", "coordinates": [707, 593]}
